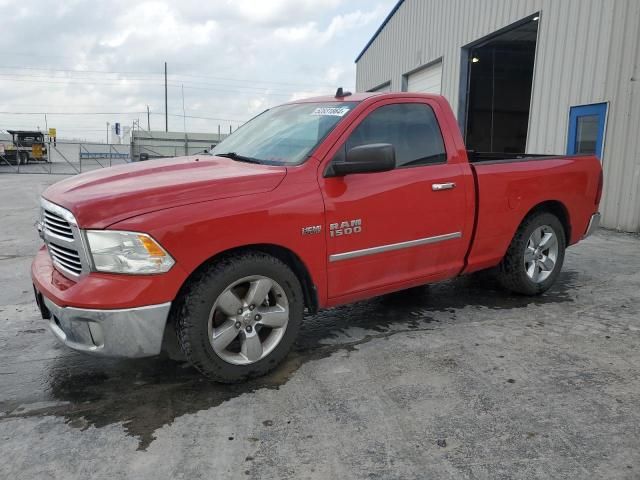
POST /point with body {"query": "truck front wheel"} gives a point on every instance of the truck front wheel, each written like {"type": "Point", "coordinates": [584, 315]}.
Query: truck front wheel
{"type": "Point", "coordinates": [534, 258]}
{"type": "Point", "coordinates": [240, 317]}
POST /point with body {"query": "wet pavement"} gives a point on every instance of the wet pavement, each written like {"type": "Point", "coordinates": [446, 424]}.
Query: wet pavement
{"type": "Point", "coordinates": [455, 380]}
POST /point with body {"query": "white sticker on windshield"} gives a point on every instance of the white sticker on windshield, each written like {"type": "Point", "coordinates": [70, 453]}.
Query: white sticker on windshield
{"type": "Point", "coordinates": [331, 111]}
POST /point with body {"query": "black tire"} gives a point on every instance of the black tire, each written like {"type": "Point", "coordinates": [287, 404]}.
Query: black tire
{"type": "Point", "coordinates": [511, 272]}
{"type": "Point", "coordinates": [23, 158]}
{"type": "Point", "coordinates": [194, 310]}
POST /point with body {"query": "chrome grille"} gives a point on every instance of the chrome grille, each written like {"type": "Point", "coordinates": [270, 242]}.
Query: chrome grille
{"type": "Point", "coordinates": [57, 225]}
{"type": "Point", "coordinates": [64, 240]}
{"type": "Point", "coordinates": [69, 259]}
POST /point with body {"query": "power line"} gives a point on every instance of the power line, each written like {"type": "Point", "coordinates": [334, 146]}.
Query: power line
{"type": "Point", "coordinates": [37, 72]}
{"type": "Point", "coordinates": [121, 81]}
{"type": "Point", "coordinates": [72, 129]}
{"type": "Point", "coordinates": [200, 118]}
{"type": "Point", "coordinates": [67, 127]}
{"type": "Point", "coordinates": [37, 55]}
{"type": "Point", "coordinates": [213, 77]}
{"type": "Point", "coordinates": [122, 113]}
{"type": "Point", "coordinates": [146, 84]}
{"type": "Point", "coordinates": [69, 81]}
{"type": "Point", "coordinates": [97, 105]}
{"type": "Point", "coordinates": [72, 113]}
{"type": "Point", "coordinates": [235, 91]}
{"type": "Point", "coordinates": [159, 74]}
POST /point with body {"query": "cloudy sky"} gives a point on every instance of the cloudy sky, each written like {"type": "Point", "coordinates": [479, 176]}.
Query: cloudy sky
{"type": "Point", "coordinates": [86, 63]}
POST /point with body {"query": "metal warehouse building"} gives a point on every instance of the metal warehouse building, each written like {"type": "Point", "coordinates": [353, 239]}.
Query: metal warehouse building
{"type": "Point", "coordinates": [534, 76]}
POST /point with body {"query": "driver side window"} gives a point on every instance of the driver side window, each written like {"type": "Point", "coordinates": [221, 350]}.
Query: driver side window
{"type": "Point", "coordinates": [412, 128]}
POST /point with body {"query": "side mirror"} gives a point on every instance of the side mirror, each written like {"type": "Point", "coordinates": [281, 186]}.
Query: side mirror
{"type": "Point", "coordinates": [376, 157]}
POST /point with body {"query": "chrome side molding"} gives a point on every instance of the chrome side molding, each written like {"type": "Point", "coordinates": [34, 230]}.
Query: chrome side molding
{"type": "Point", "coordinates": [394, 246]}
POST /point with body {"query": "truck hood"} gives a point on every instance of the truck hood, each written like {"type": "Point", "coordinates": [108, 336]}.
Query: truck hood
{"type": "Point", "coordinates": [106, 196]}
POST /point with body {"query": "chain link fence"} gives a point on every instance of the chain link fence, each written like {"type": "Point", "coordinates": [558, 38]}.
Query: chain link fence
{"type": "Point", "coordinates": [63, 158]}
{"type": "Point", "coordinates": [70, 158]}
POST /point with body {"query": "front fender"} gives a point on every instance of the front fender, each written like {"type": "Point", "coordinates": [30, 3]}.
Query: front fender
{"type": "Point", "coordinates": [195, 233]}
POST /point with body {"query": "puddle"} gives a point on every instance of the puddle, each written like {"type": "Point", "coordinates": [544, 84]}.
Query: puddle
{"type": "Point", "coordinates": [147, 394]}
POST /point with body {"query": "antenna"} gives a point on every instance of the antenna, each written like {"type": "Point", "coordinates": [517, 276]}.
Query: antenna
{"type": "Point", "coordinates": [340, 93]}
{"type": "Point", "coordinates": [184, 116]}
{"type": "Point", "coordinates": [166, 111]}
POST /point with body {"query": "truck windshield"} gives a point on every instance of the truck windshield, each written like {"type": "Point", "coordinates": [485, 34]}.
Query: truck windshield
{"type": "Point", "coordinates": [29, 139]}
{"type": "Point", "coordinates": [284, 135]}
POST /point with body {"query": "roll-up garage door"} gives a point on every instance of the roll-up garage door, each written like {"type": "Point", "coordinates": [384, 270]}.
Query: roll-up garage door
{"type": "Point", "coordinates": [426, 80]}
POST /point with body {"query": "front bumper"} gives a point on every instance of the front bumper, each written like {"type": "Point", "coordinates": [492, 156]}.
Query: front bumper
{"type": "Point", "coordinates": [106, 314]}
{"type": "Point", "coordinates": [594, 223]}
{"type": "Point", "coordinates": [127, 332]}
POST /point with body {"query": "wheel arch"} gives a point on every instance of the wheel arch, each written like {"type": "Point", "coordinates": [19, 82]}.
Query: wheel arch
{"type": "Point", "coordinates": [285, 255]}
{"type": "Point", "coordinates": [556, 208]}
{"type": "Point", "coordinates": [510, 271]}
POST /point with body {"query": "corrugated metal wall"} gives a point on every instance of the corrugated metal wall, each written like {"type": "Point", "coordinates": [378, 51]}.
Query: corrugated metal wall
{"type": "Point", "coordinates": [588, 52]}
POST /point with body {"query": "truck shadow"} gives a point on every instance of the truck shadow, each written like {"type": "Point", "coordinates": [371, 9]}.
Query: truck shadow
{"type": "Point", "coordinates": [147, 394]}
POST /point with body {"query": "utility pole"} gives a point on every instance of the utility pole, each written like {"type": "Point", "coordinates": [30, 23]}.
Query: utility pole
{"type": "Point", "coordinates": [148, 120]}
{"type": "Point", "coordinates": [166, 111]}
{"type": "Point", "coordinates": [107, 133]}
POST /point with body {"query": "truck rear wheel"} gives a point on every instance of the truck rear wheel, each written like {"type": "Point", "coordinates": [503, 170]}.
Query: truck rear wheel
{"type": "Point", "coordinates": [239, 318]}
{"type": "Point", "coordinates": [534, 258]}
{"type": "Point", "coordinates": [23, 158]}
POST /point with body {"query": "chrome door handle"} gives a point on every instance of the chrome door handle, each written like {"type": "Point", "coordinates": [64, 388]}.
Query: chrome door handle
{"type": "Point", "coordinates": [436, 187]}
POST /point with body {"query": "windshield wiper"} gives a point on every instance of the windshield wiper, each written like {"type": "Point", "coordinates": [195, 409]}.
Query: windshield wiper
{"type": "Point", "coordinates": [239, 158]}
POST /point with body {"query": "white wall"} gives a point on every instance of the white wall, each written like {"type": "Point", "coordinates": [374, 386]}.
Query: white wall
{"type": "Point", "coordinates": [588, 52]}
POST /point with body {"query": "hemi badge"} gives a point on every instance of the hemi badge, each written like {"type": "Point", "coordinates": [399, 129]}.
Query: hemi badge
{"type": "Point", "coordinates": [313, 230]}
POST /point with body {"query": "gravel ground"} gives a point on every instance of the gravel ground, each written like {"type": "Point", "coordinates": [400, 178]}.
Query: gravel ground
{"type": "Point", "coordinates": [455, 380]}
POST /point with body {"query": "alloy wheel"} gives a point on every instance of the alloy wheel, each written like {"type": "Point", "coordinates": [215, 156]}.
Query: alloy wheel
{"type": "Point", "coordinates": [248, 320]}
{"type": "Point", "coordinates": [541, 254]}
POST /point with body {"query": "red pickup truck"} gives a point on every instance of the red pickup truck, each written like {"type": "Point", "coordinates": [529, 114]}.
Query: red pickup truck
{"type": "Point", "coordinates": [311, 204]}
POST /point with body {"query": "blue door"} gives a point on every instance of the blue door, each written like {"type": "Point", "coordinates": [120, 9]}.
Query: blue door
{"type": "Point", "coordinates": [586, 129]}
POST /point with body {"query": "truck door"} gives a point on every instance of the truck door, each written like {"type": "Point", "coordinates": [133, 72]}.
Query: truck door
{"type": "Point", "coordinates": [390, 229]}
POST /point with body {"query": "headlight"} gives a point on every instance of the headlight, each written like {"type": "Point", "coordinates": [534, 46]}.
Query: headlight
{"type": "Point", "coordinates": [127, 252]}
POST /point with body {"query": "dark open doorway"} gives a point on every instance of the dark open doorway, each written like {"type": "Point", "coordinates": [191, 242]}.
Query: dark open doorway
{"type": "Point", "coordinates": [500, 77]}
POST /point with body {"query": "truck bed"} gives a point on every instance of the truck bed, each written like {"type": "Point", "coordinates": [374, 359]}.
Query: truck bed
{"type": "Point", "coordinates": [508, 188]}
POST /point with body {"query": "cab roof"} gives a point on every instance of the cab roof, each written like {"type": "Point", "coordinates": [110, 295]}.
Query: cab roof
{"type": "Point", "coordinates": [359, 97]}
{"type": "Point", "coordinates": [354, 97]}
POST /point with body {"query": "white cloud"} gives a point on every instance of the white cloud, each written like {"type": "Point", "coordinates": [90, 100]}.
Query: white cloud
{"type": "Point", "coordinates": [308, 94]}
{"type": "Point", "coordinates": [297, 33]}
{"type": "Point", "coordinates": [175, 32]}
{"type": "Point", "coordinates": [234, 57]}
{"type": "Point", "coordinates": [279, 11]}
{"type": "Point", "coordinates": [339, 26]}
